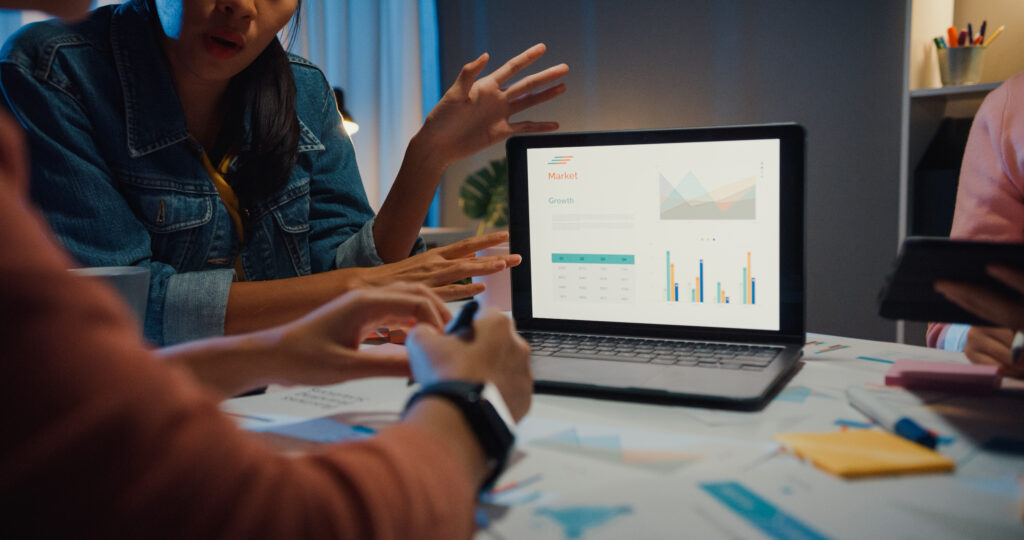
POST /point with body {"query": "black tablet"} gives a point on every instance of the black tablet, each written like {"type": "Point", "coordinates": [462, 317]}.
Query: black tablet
{"type": "Point", "coordinates": [909, 291]}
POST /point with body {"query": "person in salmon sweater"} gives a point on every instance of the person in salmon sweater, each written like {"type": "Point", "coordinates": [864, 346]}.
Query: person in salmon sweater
{"type": "Point", "coordinates": [103, 439]}
{"type": "Point", "coordinates": [990, 206]}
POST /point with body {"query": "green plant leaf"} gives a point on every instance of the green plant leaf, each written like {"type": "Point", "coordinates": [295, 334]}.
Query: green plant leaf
{"type": "Point", "coordinates": [484, 194]}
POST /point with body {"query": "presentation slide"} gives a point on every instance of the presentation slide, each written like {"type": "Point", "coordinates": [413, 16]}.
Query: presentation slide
{"type": "Point", "coordinates": [675, 233]}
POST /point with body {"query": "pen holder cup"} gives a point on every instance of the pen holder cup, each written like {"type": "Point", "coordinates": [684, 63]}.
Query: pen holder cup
{"type": "Point", "coordinates": [960, 65]}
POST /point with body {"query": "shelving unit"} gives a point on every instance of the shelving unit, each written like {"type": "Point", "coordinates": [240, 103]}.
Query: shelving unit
{"type": "Point", "coordinates": [926, 103]}
{"type": "Point", "coordinates": [948, 91]}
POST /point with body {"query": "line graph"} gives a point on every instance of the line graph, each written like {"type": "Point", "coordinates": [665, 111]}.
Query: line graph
{"type": "Point", "coordinates": [691, 198]}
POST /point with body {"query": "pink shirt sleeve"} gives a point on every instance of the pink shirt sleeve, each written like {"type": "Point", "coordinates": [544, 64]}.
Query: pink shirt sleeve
{"type": "Point", "coordinates": [990, 196]}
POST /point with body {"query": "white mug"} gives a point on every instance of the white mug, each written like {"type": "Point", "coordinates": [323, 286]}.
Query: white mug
{"type": "Point", "coordinates": [131, 282]}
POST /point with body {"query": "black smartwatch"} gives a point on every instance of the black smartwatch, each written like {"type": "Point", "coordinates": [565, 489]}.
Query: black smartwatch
{"type": "Point", "coordinates": [488, 417]}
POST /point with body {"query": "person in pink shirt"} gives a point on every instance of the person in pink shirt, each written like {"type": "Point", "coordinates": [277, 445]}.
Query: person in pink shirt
{"type": "Point", "coordinates": [990, 206]}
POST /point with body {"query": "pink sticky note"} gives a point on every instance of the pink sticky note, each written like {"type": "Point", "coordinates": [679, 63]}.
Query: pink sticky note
{"type": "Point", "coordinates": [926, 375]}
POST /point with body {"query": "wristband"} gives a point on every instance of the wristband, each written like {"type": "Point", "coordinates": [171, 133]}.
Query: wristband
{"type": "Point", "coordinates": [487, 415]}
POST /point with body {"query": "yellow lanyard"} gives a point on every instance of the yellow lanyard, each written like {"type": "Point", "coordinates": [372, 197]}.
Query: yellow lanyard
{"type": "Point", "coordinates": [230, 200]}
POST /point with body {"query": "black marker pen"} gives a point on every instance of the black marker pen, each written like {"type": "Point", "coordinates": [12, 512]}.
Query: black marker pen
{"type": "Point", "coordinates": [460, 324]}
{"type": "Point", "coordinates": [464, 320]}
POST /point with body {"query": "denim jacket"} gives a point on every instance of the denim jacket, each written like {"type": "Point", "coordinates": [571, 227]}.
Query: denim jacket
{"type": "Point", "coordinates": [122, 183]}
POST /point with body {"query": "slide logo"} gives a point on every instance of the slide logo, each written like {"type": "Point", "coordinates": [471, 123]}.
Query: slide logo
{"type": "Point", "coordinates": [560, 160]}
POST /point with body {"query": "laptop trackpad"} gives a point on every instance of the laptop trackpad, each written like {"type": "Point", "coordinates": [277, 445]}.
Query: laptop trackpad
{"type": "Point", "coordinates": [594, 372]}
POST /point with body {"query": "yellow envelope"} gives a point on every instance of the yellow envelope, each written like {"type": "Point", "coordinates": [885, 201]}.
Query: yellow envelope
{"type": "Point", "coordinates": [864, 452]}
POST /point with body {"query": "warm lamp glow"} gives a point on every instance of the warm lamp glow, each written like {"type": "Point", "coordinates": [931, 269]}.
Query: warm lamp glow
{"type": "Point", "coordinates": [351, 127]}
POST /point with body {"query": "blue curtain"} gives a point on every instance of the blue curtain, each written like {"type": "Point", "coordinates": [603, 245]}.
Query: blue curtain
{"type": "Point", "coordinates": [9, 22]}
{"type": "Point", "coordinates": [385, 55]}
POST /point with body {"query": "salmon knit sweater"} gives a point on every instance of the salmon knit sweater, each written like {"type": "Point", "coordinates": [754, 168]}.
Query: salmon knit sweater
{"type": "Point", "coordinates": [99, 439]}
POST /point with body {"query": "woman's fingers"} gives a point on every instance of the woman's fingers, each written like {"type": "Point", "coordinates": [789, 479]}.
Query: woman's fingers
{"type": "Point", "coordinates": [469, 246]}
{"type": "Point", "coordinates": [406, 301]}
{"type": "Point", "coordinates": [1007, 275]}
{"type": "Point", "coordinates": [988, 345]}
{"type": "Point", "coordinates": [425, 292]}
{"type": "Point", "coordinates": [350, 316]}
{"type": "Point", "coordinates": [454, 271]}
{"type": "Point", "coordinates": [469, 74]}
{"type": "Point", "coordinates": [531, 100]}
{"type": "Point", "coordinates": [537, 80]}
{"type": "Point", "coordinates": [533, 127]}
{"type": "Point", "coordinates": [457, 291]}
{"type": "Point", "coordinates": [370, 364]}
{"type": "Point", "coordinates": [518, 63]}
{"type": "Point", "coordinates": [983, 302]}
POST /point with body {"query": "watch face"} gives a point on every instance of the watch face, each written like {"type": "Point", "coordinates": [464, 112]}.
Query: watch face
{"type": "Point", "coordinates": [491, 394]}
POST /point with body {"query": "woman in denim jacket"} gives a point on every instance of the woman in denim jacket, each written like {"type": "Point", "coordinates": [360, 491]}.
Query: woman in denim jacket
{"type": "Point", "coordinates": [179, 135]}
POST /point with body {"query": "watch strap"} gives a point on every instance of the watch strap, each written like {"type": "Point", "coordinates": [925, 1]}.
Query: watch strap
{"type": "Point", "coordinates": [491, 429]}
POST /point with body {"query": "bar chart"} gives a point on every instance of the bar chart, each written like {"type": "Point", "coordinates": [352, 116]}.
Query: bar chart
{"type": "Point", "coordinates": [700, 284]}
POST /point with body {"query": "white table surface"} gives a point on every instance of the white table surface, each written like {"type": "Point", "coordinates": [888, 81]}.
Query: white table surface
{"type": "Point", "coordinates": [590, 468]}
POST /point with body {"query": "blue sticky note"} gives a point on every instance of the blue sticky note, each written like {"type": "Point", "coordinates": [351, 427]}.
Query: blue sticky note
{"type": "Point", "coordinates": [322, 430]}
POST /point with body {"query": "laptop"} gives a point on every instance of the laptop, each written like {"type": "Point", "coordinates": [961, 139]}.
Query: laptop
{"type": "Point", "coordinates": [660, 263]}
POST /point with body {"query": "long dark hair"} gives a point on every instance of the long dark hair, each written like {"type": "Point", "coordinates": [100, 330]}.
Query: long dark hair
{"type": "Point", "coordinates": [265, 90]}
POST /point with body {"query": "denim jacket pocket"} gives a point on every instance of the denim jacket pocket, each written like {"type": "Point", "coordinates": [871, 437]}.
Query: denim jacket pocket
{"type": "Point", "coordinates": [291, 214]}
{"type": "Point", "coordinates": [175, 220]}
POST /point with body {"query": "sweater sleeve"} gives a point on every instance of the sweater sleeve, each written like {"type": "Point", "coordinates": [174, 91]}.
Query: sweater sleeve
{"type": "Point", "coordinates": [990, 195]}
{"type": "Point", "coordinates": [102, 440]}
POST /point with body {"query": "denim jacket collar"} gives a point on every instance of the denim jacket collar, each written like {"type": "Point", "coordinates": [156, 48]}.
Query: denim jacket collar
{"type": "Point", "coordinates": [146, 78]}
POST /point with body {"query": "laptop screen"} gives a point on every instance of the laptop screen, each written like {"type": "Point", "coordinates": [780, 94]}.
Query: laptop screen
{"type": "Point", "coordinates": [670, 233]}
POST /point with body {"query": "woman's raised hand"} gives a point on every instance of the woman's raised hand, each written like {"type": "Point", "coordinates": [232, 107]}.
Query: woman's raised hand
{"type": "Point", "coordinates": [439, 268]}
{"type": "Point", "coordinates": [474, 113]}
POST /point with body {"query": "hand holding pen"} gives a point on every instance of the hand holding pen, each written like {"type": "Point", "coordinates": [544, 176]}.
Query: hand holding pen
{"type": "Point", "coordinates": [482, 347]}
{"type": "Point", "coordinates": [461, 325]}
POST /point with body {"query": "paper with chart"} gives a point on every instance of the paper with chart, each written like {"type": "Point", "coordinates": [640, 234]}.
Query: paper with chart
{"type": "Point", "coordinates": [323, 413]}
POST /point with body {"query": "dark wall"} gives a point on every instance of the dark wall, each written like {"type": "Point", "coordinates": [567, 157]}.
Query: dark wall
{"type": "Point", "coordinates": [835, 67]}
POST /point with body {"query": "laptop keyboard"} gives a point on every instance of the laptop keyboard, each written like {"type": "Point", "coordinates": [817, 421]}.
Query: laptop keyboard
{"type": "Point", "coordinates": [653, 351]}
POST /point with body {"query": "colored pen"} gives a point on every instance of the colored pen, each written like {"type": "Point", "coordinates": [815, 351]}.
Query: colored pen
{"type": "Point", "coordinates": [981, 31]}
{"type": "Point", "coordinates": [977, 41]}
{"type": "Point", "coordinates": [464, 320]}
{"type": "Point", "coordinates": [951, 33]}
{"type": "Point", "coordinates": [1017, 347]}
{"type": "Point", "coordinates": [938, 43]}
{"type": "Point", "coordinates": [881, 414]}
{"type": "Point", "coordinates": [960, 41]}
{"type": "Point", "coordinates": [994, 35]}
{"type": "Point", "coordinates": [970, 32]}
{"type": "Point", "coordinates": [943, 43]}
{"type": "Point", "coordinates": [460, 324]}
